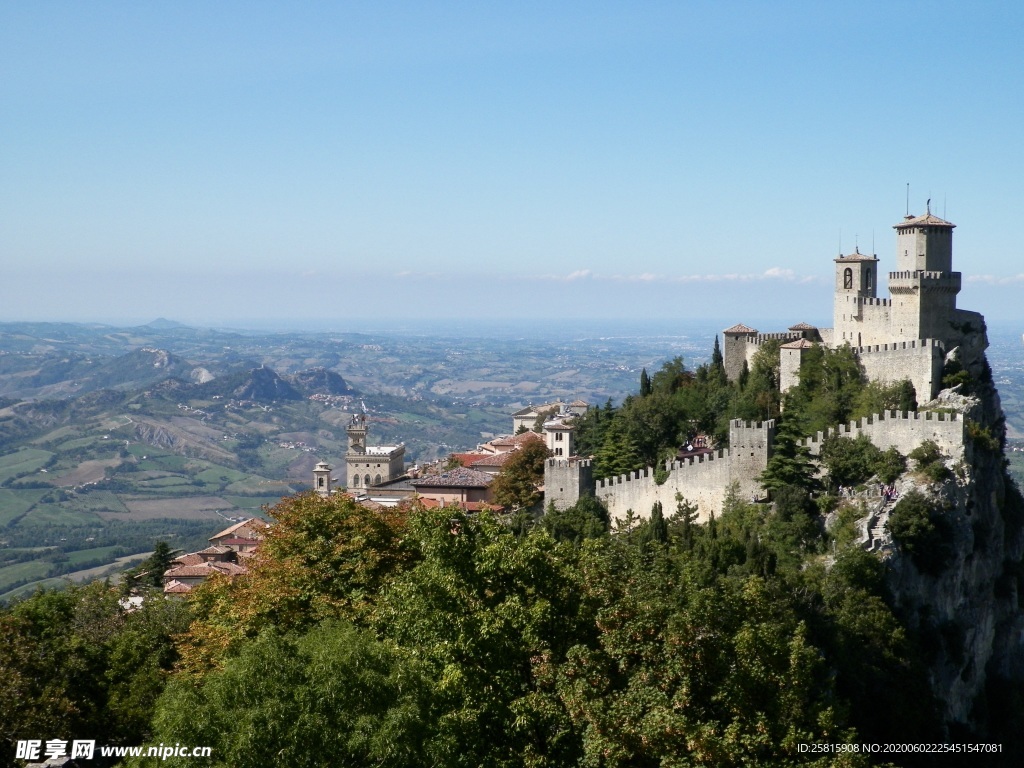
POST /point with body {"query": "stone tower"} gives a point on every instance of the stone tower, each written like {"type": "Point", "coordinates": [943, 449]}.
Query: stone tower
{"type": "Point", "coordinates": [356, 431]}
{"type": "Point", "coordinates": [924, 286]}
{"type": "Point", "coordinates": [322, 479]}
{"type": "Point", "coordinates": [856, 286]}
{"type": "Point", "coordinates": [566, 480]}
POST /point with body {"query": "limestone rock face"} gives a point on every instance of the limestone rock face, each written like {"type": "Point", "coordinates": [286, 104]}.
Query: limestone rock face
{"type": "Point", "coordinates": [969, 611]}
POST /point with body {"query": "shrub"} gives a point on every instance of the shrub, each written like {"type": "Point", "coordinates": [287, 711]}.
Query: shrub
{"type": "Point", "coordinates": [922, 531]}
{"type": "Point", "coordinates": [928, 459]}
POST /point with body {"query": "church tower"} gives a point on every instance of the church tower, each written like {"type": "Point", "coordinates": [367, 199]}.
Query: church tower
{"type": "Point", "coordinates": [856, 285]}
{"type": "Point", "coordinates": [322, 479]}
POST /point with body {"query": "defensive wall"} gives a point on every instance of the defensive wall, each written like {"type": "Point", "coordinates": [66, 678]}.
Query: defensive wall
{"type": "Point", "coordinates": [903, 430]}
{"type": "Point", "coordinates": [702, 480]}
{"type": "Point", "coordinates": [919, 361]}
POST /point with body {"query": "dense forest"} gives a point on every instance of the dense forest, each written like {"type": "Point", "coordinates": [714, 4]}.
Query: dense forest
{"type": "Point", "coordinates": [408, 636]}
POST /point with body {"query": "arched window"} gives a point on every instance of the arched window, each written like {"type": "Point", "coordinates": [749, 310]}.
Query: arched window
{"type": "Point", "coordinates": [868, 277]}
{"type": "Point", "coordinates": [376, 480]}
{"type": "Point", "coordinates": [367, 480]}
{"type": "Point", "coordinates": [320, 482]}
{"type": "Point", "coordinates": [848, 278]}
{"type": "Point", "coordinates": [355, 481]}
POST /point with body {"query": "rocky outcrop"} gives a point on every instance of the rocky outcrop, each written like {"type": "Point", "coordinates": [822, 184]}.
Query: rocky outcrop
{"type": "Point", "coordinates": [968, 614]}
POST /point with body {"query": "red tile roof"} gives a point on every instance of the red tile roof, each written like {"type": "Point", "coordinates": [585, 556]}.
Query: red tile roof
{"type": "Point", "coordinates": [254, 521]}
{"type": "Point", "coordinates": [740, 328]}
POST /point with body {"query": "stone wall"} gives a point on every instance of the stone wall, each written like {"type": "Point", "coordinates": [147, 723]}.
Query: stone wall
{"type": "Point", "coordinates": [904, 430]}
{"type": "Point", "coordinates": [919, 361]}
{"type": "Point", "coordinates": [703, 480]}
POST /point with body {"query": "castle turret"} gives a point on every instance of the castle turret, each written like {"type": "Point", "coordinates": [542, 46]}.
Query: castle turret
{"type": "Point", "coordinates": [735, 352]}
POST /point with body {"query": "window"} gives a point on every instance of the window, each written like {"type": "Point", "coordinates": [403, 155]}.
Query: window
{"type": "Point", "coordinates": [848, 278]}
{"type": "Point", "coordinates": [867, 279]}
{"type": "Point", "coordinates": [366, 480]}
{"type": "Point", "coordinates": [376, 480]}
{"type": "Point", "coordinates": [320, 482]}
{"type": "Point", "coordinates": [355, 481]}
{"type": "Point", "coordinates": [558, 435]}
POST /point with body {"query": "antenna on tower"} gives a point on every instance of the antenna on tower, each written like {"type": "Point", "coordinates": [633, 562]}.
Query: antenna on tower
{"type": "Point", "coordinates": [872, 242]}
{"type": "Point", "coordinates": [840, 242]}
{"type": "Point", "coordinates": [908, 198]}
{"type": "Point", "coordinates": [943, 205]}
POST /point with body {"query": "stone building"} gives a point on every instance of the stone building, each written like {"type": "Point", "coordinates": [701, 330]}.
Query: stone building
{"type": "Point", "coordinates": [369, 465]}
{"type": "Point", "coordinates": [905, 336]}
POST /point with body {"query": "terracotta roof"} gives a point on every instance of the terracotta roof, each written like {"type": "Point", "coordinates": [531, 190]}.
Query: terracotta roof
{"type": "Point", "coordinates": [856, 256]}
{"type": "Point", "coordinates": [927, 220]}
{"type": "Point", "coordinates": [468, 506]}
{"type": "Point", "coordinates": [526, 437]}
{"type": "Point", "coordinates": [740, 328]}
{"type": "Point", "coordinates": [803, 327]}
{"type": "Point", "coordinates": [460, 477]}
{"type": "Point", "coordinates": [469, 458]}
{"type": "Point", "coordinates": [215, 549]}
{"type": "Point", "coordinates": [517, 440]}
{"type": "Point", "coordinates": [190, 559]}
{"type": "Point", "coordinates": [205, 570]}
{"type": "Point", "coordinates": [580, 403]}
{"type": "Point", "coordinates": [174, 587]}
{"type": "Point", "coordinates": [493, 459]}
{"type": "Point", "coordinates": [799, 344]}
{"type": "Point", "coordinates": [255, 521]}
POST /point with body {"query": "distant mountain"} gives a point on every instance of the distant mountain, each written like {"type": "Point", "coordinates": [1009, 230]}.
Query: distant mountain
{"type": "Point", "coordinates": [261, 384]}
{"type": "Point", "coordinates": [163, 324]}
{"type": "Point", "coordinates": [320, 381]}
{"type": "Point", "coordinates": [137, 369]}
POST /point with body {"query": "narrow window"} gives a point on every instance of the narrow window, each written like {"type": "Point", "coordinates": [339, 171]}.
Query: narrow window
{"type": "Point", "coordinates": [848, 278]}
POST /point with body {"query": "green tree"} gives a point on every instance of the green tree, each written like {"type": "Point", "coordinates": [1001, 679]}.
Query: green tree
{"type": "Point", "coordinates": [645, 383]}
{"type": "Point", "coordinates": [334, 692]}
{"type": "Point", "coordinates": [517, 484]}
{"type": "Point", "coordinates": [586, 519]}
{"type": "Point", "coordinates": [790, 462]}
{"type": "Point", "coordinates": [849, 461]}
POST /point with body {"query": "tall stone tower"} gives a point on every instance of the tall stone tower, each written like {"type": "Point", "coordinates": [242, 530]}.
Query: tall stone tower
{"type": "Point", "coordinates": [856, 285]}
{"type": "Point", "coordinates": [356, 431]}
{"type": "Point", "coordinates": [924, 286]}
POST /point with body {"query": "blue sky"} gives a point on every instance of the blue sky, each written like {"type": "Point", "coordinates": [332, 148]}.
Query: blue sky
{"type": "Point", "coordinates": [242, 163]}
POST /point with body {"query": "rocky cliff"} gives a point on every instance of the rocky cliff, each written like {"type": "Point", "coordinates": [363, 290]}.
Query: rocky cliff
{"type": "Point", "coordinates": [967, 610]}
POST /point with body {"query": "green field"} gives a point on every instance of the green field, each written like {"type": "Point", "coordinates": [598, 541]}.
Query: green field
{"type": "Point", "coordinates": [15, 503]}
{"type": "Point", "coordinates": [57, 514]}
{"type": "Point", "coordinates": [12, 574]}
{"type": "Point", "coordinates": [20, 462]}
{"type": "Point", "coordinates": [96, 553]}
{"type": "Point", "coordinates": [253, 504]}
{"type": "Point", "coordinates": [54, 583]}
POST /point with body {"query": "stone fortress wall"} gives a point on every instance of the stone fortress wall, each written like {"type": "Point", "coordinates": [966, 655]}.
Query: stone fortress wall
{"type": "Point", "coordinates": [702, 480]}
{"type": "Point", "coordinates": [904, 431]}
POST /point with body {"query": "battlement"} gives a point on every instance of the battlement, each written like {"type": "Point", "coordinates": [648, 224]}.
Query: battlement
{"type": "Point", "coordinates": [761, 338]}
{"type": "Point", "coordinates": [573, 461]}
{"type": "Point", "coordinates": [900, 345]}
{"type": "Point", "coordinates": [904, 430]}
{"type": "Point", "coordinates": [905, 281]}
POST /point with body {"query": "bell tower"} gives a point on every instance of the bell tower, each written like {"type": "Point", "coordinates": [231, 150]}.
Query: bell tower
{"type": "Point", "coordinates": [856, 284]}
{"type": "Point", "coordinates": [322, 479]}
